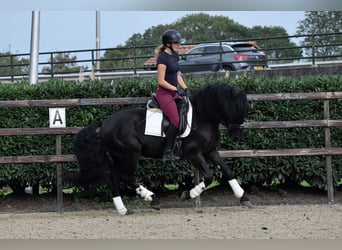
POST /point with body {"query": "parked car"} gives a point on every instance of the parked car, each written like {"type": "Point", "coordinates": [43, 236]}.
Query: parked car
{"type": "Point", "coordinates": [150, 64]}
{"type": "Point", "coordinates": [223, 56]}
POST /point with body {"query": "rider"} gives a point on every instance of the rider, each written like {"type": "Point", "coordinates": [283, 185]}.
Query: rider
{"type": "Point", "coordinates": [170, 86]}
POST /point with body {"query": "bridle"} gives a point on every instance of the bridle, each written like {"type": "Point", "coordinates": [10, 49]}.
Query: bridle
{"type": "Point", "coordinates": [235, 126]}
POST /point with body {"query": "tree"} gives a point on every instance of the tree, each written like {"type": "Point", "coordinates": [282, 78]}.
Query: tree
{"type": "Point", "coordinates": [196, 28]}
{"type": "Point", "coordinates": [321, 27]}
{"type": "Point", "coordinates": [193, 28]}
{"type": "Point", "coordinates": [120, 58]}
{"type": "Point", "coordinates": [203, 27]}
{"type": "Point", "coordinates": [63, 63]}
{"type": "Point", "coordinates": [277, 44]}
{"type": "Point", "coordinates": [13, 65]}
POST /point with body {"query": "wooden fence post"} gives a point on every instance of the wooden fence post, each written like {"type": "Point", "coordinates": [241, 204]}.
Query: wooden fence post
{"type": "Point", "coordinates": [330, 185]}
{"type": "Point", "coordinates": [197, 180]}
{"type": "Point", "coordinates": [59, 175]}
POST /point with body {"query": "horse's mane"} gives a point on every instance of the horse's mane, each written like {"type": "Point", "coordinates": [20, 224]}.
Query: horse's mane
{"type": "Point", "coordinates": [220, 103]}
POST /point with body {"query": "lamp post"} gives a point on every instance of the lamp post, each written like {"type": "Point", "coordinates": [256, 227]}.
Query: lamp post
{"type": "Point", "coordinates": [34, 52]}
{"type": "Point", "coordinates": [97, 64]}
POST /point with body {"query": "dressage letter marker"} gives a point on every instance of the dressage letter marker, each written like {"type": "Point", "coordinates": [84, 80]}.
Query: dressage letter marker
{"type": "Point", "coordinates": [57, 117]}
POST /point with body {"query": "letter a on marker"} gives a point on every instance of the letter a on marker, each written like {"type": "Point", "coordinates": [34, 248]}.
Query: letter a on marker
{"type": "Point", "coordinates": [57, 118]}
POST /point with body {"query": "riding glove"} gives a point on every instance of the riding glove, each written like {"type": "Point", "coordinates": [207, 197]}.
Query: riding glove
{"type": "Point", "coordinates": [184, 92]}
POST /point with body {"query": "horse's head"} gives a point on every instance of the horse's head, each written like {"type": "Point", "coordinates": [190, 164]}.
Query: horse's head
{"type": "Point", "coordinates": [223, 104]}
{"type": "Point", "coordinates": [236, 110]}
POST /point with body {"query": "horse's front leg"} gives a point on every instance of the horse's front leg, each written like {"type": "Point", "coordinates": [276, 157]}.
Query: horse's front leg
{"type": "Point", "coordinates": [199, 163]}
{"type": "Point", "coordinates": [215, 158]}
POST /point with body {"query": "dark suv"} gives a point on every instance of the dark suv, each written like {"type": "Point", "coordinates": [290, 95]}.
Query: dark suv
{"type": "Point", "coordinates": [223, 56]}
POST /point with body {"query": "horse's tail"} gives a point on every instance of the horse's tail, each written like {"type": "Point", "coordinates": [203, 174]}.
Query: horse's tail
{"type": "Point", "coordinates": [92, 158]}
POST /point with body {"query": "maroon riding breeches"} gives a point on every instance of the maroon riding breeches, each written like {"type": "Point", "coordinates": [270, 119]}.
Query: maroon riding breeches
{"type": "Point", "coordinates": [166, 100]}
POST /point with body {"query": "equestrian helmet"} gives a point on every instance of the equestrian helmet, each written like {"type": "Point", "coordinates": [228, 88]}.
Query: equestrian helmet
{"type": "Point", "coordinates": [171, 36]}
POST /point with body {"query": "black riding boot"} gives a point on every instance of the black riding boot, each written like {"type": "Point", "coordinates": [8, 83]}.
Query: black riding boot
{"type": "Point", "coordinates": [170, 138]}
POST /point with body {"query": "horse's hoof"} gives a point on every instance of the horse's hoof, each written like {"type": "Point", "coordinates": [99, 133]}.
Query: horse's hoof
{"type": "Point", "coordinates": [244, 201]}
{"type": "Point", "coordinates": [155, 204]}
{"type": "Point", "coordinates": [246, 204]}
{"type": "Point", "coordinates": [185, 196]}
{"type": "Point", "coordinates": [129, 211]}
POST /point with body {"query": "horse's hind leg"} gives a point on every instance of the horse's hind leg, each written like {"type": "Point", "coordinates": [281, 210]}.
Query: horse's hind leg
{"type": "Point", "coordinates": [124, 172]}
{"type": "Point", "coordinates": [148, 196]}
{"type": "Point", "coordinates": [115, 187]}
{"type": "Point", "coordinates": [140, 190]}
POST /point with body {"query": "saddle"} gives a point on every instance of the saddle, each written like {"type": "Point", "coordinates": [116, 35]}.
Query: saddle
{"type": "Point", "coordinates": [182, 106]}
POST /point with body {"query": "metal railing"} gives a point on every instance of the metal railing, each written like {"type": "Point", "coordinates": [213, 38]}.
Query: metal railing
{"type": "Point", "coordinates": [130, 60]}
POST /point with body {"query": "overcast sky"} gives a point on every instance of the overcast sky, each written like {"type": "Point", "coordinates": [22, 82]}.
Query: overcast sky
{"type": "Point", "coordinates": [74, 30]}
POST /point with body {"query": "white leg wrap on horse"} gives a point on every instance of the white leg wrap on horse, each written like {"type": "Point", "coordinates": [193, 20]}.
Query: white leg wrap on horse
{"type": "Point", "coordinates": [120, 207]}
{"type": "Point", "coordinates": [144, 193]}
{"type": "Point", "coordinates": [196, 191]}
{"type": "Point", "coordinates": [238, 191]}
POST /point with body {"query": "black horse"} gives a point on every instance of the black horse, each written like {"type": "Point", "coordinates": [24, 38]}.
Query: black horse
{"type": "Point", "coordinates": [112, 148]}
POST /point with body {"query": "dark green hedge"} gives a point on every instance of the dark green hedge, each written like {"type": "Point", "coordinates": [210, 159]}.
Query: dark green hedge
{"type": "Point", "coordinates": [250, 171]}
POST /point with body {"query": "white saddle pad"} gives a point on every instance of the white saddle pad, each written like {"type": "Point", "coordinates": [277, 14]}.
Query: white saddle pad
{"type": "Point", "coordinates": [154, 120]}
